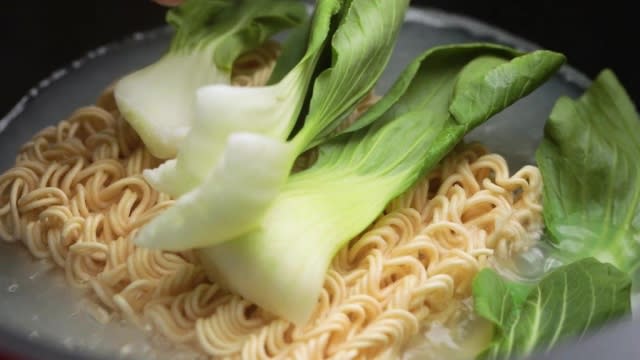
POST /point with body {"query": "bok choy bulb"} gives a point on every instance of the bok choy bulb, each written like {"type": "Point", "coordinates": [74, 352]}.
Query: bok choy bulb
{"type": "Point", "coordinates": [281, 265]}
{"type": "Point", "coordinates": [360, 50]}
{"type": "Point", "coordinates": [247, 179]}
{"type": "Point", "coordinates": [221, 110]}
{"type": "Point", "coordinates": [159, 100]}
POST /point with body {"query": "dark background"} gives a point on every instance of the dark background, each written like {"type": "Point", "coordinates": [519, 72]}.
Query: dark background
{"type": "Point", "coordinates": [41, 36]}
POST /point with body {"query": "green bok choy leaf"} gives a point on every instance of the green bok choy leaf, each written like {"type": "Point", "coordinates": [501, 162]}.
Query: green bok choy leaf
{"type": "Point", "coordinates": [568, 301]}
{"type": "Point", "coordinates": [281, 265]}
{"type": "Point", "coordinates": [589, 163]}
{"type": "Point", "coordinates": [591, 194]}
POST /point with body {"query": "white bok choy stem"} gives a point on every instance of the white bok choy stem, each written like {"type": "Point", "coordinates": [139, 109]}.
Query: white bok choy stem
{"type": "Point", "coordinates": [221, 110]}
{"type": "Point", "coordinates": [158, 100]}
{"type": "Point", "coordinates": [250, 161]}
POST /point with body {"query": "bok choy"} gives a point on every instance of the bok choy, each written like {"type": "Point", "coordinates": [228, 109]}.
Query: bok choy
{"type": "Point", "coordinates": [591, 211]}
{"type": "Point", "coordinates": [215, 204]}
{"type": "Point", "coordinates": [221, 110]}
{"type": "Point", "coordinates": [281, 265]}
{"type": "Point", "coordinates": [158, 101]}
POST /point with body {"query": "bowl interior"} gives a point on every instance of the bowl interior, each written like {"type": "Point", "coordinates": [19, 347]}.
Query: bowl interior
{"type": "Point", "coordinates": [42, 311]}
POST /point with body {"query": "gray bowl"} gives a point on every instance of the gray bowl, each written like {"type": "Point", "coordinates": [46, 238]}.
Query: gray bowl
{"type": "Point", "coordinates": [41, 317]}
